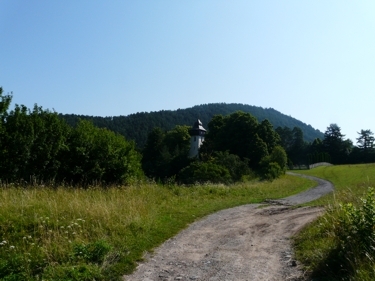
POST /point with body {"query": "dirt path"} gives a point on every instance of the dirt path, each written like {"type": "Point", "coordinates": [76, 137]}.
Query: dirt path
{"type": "Point", "coordinates": [242, 243]}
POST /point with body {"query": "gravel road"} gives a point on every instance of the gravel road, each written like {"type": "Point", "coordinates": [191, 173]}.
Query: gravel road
{"type": "Point", "coordinates": [249, 242]}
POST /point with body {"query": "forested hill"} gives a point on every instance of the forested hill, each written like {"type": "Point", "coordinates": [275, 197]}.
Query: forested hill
{"type": "Point", "coordinates": [137, 126]}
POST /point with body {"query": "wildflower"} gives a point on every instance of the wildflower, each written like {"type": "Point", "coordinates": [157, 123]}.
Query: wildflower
{"type": "Point", "coordinates": [29, 236]}
{"type": "Point", "coordinates": [11, 247]}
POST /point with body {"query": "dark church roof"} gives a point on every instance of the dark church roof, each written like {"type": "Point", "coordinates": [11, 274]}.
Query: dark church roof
{"type": "Point", "coordinates": [197, 128]}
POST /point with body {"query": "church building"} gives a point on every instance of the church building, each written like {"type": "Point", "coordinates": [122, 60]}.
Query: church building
{"type": "Point", "coordinates": [197, 133]}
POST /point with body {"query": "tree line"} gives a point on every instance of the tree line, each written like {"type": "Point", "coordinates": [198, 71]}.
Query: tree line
{"type": "Point", "coordinates": [333, 148]}
{"type": "Point", "coordinates": [235, 148]}
{"type": "Point", "coordinates": [137, 126]}
{"type": "Point", "coordinates": [37, 145]}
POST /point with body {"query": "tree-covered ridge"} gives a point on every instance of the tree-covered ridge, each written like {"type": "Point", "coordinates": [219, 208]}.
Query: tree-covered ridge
{"type": "Point", "coordinates": [37, 146]}
{"type": "Point", "coordinates": [137, 126]}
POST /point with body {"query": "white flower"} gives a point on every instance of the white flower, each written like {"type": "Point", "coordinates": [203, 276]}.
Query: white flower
{"type": "Point", "coordinates": [11, 247]}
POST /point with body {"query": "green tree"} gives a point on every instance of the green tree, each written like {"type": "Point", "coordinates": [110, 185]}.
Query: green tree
{"type": "Point", "coordinates": [4, 105]}
{"type": "Point", "coordinates": [236, 133]}
{"type": "Point", "coordinates": [99, 155]}
{"type": "Point", "coordinates": [237, 168]}
{"type": "Point", "coordinates": [165, 154]}
{"type": "Point", "coordinates": [17, 139]}
{"type": "Point", "coordinates": [286, 138]}
{"type": "Point", "coordinates": [201, 172]}
{"type": "Point", "coordinates": [365, 140]}
{"type": "Point", "coordinates": [153, 160]}
{"type": "Point", "coordinates": [33, 141]}
{"type": "Point", "coordinates": [268, 135]}
{"type": "Point", "coordinates": [5, 101]}
{"type": "Point", "coordinates": [333, 144]}
{"type": "Point", "coordinates": [297, 153]}
{"type": "Point", "coordinates": [273, 165]}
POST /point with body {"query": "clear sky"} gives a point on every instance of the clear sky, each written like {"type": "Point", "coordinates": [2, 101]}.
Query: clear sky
{"type": "Point", "coordinates": [312, 60]}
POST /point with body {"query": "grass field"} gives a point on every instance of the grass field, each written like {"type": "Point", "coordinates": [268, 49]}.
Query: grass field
{"type": "Point", "coordinates": [341, 244]}
{"type": "Point", "coordinates": [100, 234]}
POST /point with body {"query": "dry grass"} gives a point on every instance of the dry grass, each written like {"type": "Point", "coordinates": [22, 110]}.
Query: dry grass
{"type": "Point", "coordinates": [86, 234]}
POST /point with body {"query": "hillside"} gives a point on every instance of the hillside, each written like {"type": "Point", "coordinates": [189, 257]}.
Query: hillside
{"type": "Point", "coordinates": [137, 126]}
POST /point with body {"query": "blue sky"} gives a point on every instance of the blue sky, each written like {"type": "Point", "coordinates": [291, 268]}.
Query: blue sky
{"type": "Point", "coordinates": [312, 60]}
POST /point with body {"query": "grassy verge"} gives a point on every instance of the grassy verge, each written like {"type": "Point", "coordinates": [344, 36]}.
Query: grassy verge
{"type": "Point", "coordinates": [340, 244]}
{"type": "Point", "coordinates": [99, 234]}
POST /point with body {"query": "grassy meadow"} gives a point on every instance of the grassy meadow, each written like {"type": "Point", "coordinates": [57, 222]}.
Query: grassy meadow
{"type": "Point", "coordinates": [100, 234]}
{"type": "Point", "coordinates": [341, 244]}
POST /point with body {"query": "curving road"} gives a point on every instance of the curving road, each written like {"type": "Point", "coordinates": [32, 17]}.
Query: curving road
{"type": "Point", "coordinates": [241, 243]}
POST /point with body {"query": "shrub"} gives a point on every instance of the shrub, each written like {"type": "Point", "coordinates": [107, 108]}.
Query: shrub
{"type": "Point", "coordinates": [355, 231]}
{"type": "Point", "coordinates": [200, 172]}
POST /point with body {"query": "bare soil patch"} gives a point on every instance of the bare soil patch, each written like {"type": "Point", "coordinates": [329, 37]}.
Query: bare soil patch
{"type": "Point", "coordinates": [250, 242]}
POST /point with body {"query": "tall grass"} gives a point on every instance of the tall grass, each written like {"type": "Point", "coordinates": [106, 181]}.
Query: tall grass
{"type": "Point", "coordinates": [100, 234]}
{"type": "Point", "coordinates": [340, 245]}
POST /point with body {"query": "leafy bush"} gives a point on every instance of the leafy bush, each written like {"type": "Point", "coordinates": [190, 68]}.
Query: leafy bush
{"type": "Point", "coordinates": [237, 168]}
{"type": "Point", "coordinates": [274, 165]}
{"type": "Point", "coordinates": [355, 233]}
{"type": "Point", "coordinates": [341, 244]}
{"type": "Point", "coordinates": [270, 171]}
{"type": "Point", "coordinates": [200, 172]}
{"type": "Point", "coordinates": [99, 155]}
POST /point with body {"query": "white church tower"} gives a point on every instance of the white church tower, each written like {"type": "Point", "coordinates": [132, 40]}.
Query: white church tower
{"type": "Point", "coordinates": [197, 133]}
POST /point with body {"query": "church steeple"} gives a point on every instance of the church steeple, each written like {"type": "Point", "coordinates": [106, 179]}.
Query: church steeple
{"type": "Point", "coordinates": [197, 133]}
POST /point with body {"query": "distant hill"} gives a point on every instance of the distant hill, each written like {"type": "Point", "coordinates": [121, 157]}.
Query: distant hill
{"type": "Point", "coordinates": [138, 125]}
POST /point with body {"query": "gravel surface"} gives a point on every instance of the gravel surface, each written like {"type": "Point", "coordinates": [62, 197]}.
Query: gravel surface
{"type": "Point", "coordinates": [249, 242]}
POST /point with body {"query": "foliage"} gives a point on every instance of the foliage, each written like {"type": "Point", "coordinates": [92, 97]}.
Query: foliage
{"type": "Point", "coordinates": [36, 146]}
{"type": "Point", "coordinates": [355, 229]}
{"type": "Point", "coordinates": [99, 155]}
{"type": "Point", "coordinates": [237, 168]}
{"type": "Point", "coordinates": [202, 172]}
{"type": "Point", "coordinates": [366, 140]}
{"type": "Point", "coordinates": [5, 101]}
{"type": "Point", "coordinates": [238, 134]}
{"type": "Point", "coordinates": [273, 165]}
{"type": "Point", "coordinates": [334, 144]}
{"type": "Point", "coordinates": [31, 144]}
{"type": "Point", "coordinates": [292, 140]}
{"type": "Point", "coordinates": [340, 245]}
{"type": "Point", "coordinates": [137, 126]}
{"type": "Point", "coordinates": [166, 153]}
{"type": "Point", "coordinates": [98, 233]}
